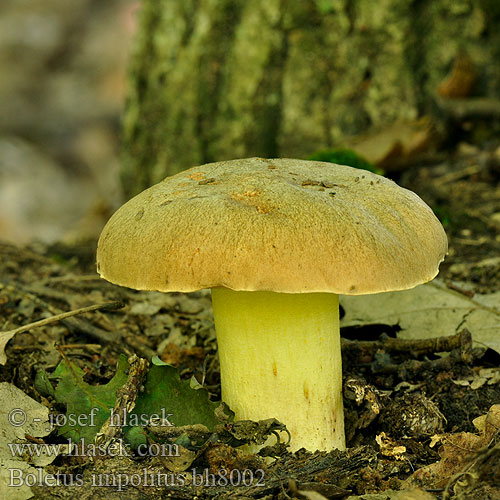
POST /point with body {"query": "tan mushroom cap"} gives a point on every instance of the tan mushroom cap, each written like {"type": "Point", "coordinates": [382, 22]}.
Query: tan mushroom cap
{"type": "Point", "coordinates": [282, 225]}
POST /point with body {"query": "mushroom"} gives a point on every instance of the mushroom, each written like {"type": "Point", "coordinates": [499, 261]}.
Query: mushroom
{"type": "Point", "coordinates": [276, 241]}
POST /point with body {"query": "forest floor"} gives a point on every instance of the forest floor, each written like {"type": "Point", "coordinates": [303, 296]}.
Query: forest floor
{"type": "Point", "coordinates": [419, 425]}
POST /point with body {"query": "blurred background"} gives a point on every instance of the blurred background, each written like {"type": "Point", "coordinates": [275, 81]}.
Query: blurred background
{"type": "Point", "coordinates": [62, 89]}
{"type": "Point", "coordinates": [99, 100]}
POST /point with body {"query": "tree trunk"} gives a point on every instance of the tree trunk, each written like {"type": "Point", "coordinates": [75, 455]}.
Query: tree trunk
{"type": "Point", "coordinates": [221, 79]}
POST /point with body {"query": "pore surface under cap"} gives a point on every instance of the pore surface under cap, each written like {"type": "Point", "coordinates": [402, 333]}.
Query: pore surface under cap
{"type": "Point", "coordinates": [282, 225]}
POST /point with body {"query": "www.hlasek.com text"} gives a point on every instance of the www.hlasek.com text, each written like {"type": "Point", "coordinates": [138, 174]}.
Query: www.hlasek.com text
{"type": "Point", "coordinates": [117, 448]}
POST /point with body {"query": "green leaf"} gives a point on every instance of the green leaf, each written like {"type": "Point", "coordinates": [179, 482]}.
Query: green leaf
{"type": "Point", "coordinates": [167, 396]}
{"type": "Point", "coordinates": [325, 6]}
{"type": "Point", "coordinates": [42, 384]}
{"type": "Point", "coordinates": [136, 436]}
{"type": "Point", "coordinates": [88, 406]}
{"type": "Point", "coordinates": [345, 157]}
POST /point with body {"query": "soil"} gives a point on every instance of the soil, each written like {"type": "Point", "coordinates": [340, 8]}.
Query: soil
{"type": "Point", "coordinates": [399, 424]}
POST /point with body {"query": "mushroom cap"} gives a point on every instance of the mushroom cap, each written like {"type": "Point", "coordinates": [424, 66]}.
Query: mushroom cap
{"type": "Point", "coordinates": [282, 225]}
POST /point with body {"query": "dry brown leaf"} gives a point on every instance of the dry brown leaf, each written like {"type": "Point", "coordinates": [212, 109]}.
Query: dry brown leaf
{"type": "Point", "coordinates": [389, 447]}
{"type": "Point", "coordinates": [396, 144]}
{"type": "Point", "coordinates": [410, 494]}
{"type": "Point", "coordinates": [311, 495]}
{"type": "Point", "coordinates": [4, 339]}
{"type": "Point", "coordinates": [457, 450]}
{"type": "Point", "coordinates": [427, 309]}
{"type": "Point", "coordinates": [461, 79]}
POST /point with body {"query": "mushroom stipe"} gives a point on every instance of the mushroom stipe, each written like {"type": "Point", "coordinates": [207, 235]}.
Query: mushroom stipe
{"type": "Point", "coordinates": [276, 240]}
{"type": "Point", "coordinates": [285, 359]}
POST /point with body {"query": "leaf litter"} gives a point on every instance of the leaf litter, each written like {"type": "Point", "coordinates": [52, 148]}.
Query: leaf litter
{"type": "Point", "coordinates": [418, 405]}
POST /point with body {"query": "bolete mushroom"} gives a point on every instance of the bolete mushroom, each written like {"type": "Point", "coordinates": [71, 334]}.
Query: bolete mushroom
{"type": "Point", "coordinates": [276, 241]}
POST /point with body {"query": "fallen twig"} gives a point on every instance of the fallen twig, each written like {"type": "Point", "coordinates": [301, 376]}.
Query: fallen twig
{"type": "Point", "coordinates": [413, 366]}
{"type": "Point", "coordinates": [106, 306]}
{"type": "Point", "coordinates": [465, 109]}
{"type": "Point", "coordinates": [125, 400]}
{"type": "Point", "coordinates": [461, 340]}
{"type": "Point", "coordinates": [65, 316]}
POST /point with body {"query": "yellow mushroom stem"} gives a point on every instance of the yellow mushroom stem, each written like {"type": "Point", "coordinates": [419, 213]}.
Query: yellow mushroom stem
{"type": "Point", "coordinates": [280, 357]}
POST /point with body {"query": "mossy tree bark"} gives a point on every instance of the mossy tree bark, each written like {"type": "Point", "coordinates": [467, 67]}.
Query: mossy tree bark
{"type": "Point", "coordinates": [221, 79]}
